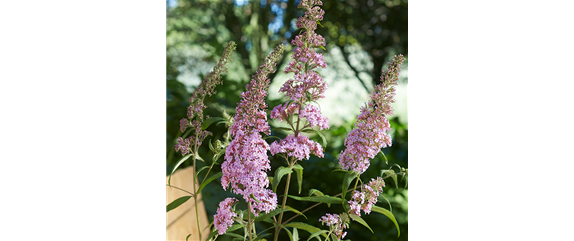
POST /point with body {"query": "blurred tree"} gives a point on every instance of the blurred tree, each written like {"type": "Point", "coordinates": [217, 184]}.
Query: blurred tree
{"type": "Point", "coordinates": [379, 27]}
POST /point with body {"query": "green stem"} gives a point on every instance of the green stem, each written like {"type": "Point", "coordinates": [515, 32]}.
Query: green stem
{"type": "Point", "coordinates": [356, 182]}
{"type": "Point", "coordinates": [278, 228]}
{"type": "Point", "coordinates": [249, 219]}
{"type": "Point", "coordinates": [195, 187]}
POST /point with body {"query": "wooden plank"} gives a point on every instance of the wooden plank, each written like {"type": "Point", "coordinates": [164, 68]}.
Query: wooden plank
{"type": "Point", "coordinates": [182, 220]}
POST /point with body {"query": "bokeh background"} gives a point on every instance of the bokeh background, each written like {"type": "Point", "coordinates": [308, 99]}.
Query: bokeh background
{"type": "Point", "coordinates": [361, 37]}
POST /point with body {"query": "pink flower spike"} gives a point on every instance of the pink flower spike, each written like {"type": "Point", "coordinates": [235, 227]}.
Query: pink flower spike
{"type": "Point", "coordinates": [371, 131]}
{"type": "Point", "coordinates": [223, 219]}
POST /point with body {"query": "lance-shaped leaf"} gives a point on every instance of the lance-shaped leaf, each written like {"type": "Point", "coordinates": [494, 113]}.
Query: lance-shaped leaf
{"type": "Point", "coordinates": [295, 235]}
{"type": "Point", "coordinates": [210, 121]}
{"type": "Point", "coordinates": [349, 177]}
{"type": "Point", "coordinates": [295, 211]}
{"type": "Point", "coordinates": [390, 173]}
{"type": "Point", "coordinates": [270, 214]}
{"type": "Point", "coordinates": [261, 236]}
{"type": "Point", "coordinates": [316, 234]}
{"type": "Point", "coordinates": [217, 175]}
{"type": "Point", "coordinates": [304, 226]}
{"type": "Point", "coordinates": [361, 221]}
{"type": "Point", "coordinates": [289, 233]}
{"type": "Point", "coordinates": [316, 192]}
{"type": "Point", "coordinates": [299, 170]}
{"type": "Point", "coordinates": [322, 199]}
{"type": "Point", "coordinates": [187, 238]}
{"type": "Point", "coordinates": [184, 158]}
{"type": "Point", "coordinates": [176, 203]}
{"type": "Point", "coordinates": [235, 227]}
{"type": "Point", "coordinates": [388, 214]}
{"type": "Point", "coordinates": [278, 175]}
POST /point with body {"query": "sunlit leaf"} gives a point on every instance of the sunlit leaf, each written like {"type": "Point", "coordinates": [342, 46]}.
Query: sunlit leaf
{"type": "Point", "coordinates": [299, 170]}
{"type": "Point", "coordinates": [210, 121]}
{"type": "Point", "coordinates": [176, 203]}
{"type": "Point", "coordinates": [295, 235]}
{"type": "Point", "coordinates": [215, 176]}
{"type": "Point", "coordinates": [278, 175]}
{"type": "Point", "coordinates": [184, 158]}
{"type": "Point", "coordinates": [316, 234]}
{"type": "Point", "coordinates": [388, 214]}
{"type": "Point", "coordinates": [322, 199]}
{"type": "Point", "coordinates": [349, 177]}
{"type": "Point", "coordinates": [361, 221]}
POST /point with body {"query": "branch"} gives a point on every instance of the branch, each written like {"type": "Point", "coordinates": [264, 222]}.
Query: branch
{"type": "Point", "coordinates": [346, 57]}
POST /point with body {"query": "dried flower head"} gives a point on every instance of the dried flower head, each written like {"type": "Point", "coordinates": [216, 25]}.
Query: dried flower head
{"type": "Point", "coordinates": [195, 110]}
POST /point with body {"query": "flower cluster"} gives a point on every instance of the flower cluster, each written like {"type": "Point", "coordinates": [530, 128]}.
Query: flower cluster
{"type": "Point", "coordinates": [365, 199]}
{"type": "Point", "coordinates": [195, 110]}
{"type": "Point", "coordinates": [224, 217]}
{"type": "Point", "coordinates": [307, 85]}
{"type": "Point", "coordinates": [246, 159]}
{"type": "Point", "coordinates": [371, 128]}
{"type": "Point", "coordinates": [335, 223]}
{"type": "Point", "coordinates": [298, 147]}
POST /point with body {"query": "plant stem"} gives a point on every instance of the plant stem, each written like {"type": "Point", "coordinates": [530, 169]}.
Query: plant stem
{"type": "Point", "coordinates": [356, 182]}
{"type": "Point", "coordinates": [195, 187]}
{"type": "Point", "coordinates": [249, 219]}
{"type": "Point", "coordinates": [278, 228]}
{"type": "Point", "coordinates": [180, 189]}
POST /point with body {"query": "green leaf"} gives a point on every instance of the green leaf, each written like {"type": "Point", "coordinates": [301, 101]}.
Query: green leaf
{"type": "Point", "coordinates": [286, 129]}
{"type": "Point", "coordinates": [304, 226]}
{"type": "Point", "coordinates": [390, 173]}
{"type": "Point", "coordinates": [210, 121]}
{"type": "Point", "coordinates": [295, 235]}
{"type": "Point", "coordinates": [320, 46]}
{"type": "Point", "coordinates": [186, 133]}
{"type": "Point", "coordinates": [382, 196]}
{"type": "Point", "coordinates": [271, 214]}
{"type": "Point", "coordinates": [316, 234]}
{"type": "Point", "coordinates": [296, 211]}
{"type": "Point", "coordinates": [176, 203]}
{"type": "Point", "coordinates": [184, 158]}
{"type": "Point", "coordinates": [299, 170]}
{"type": "Point", "coordinates": [278, 175]}
{"type": "Point", "coordinates": [235, 227]}
{"type": "Point", "coordinates": [201, 169]}
{"type": "Point", "coordinates": [212, 234]}
{"type": "Point", "coordinates": [322, 138]}
{"type": "Point", "coordinates": [259, 237]}
{"type": "Point", "coordinates": [349, 177]}
{"type": "Point", "coordinates": [319, 24]}
{"type": "Point", "coordinates": [289, 233]}
{"type": "Point", "coordinates": [186, 238]}
{"type": "Point", "coordinates": [254, 198]}
{"type": "Point", "coordinates": [211, 147]}
{"type": "Point", "coordinates": [388, 214]}
{"type": "Point", "coordinates": [361, 221]}
{"type": "Point", "coordinates": [217, 175]}
{"type": "Point", "coordinates": [406, 181]}
{"type": "Point", "coordinates": [197, 157]}
{"type": "Point", "coordinates": [322, 199]}
{"type": "Point", "coordinates": [316, 192]}
{"type": "Point", "coordinates": [386, 160]}
{"type": "Point", "coordinates": [234, 235]}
